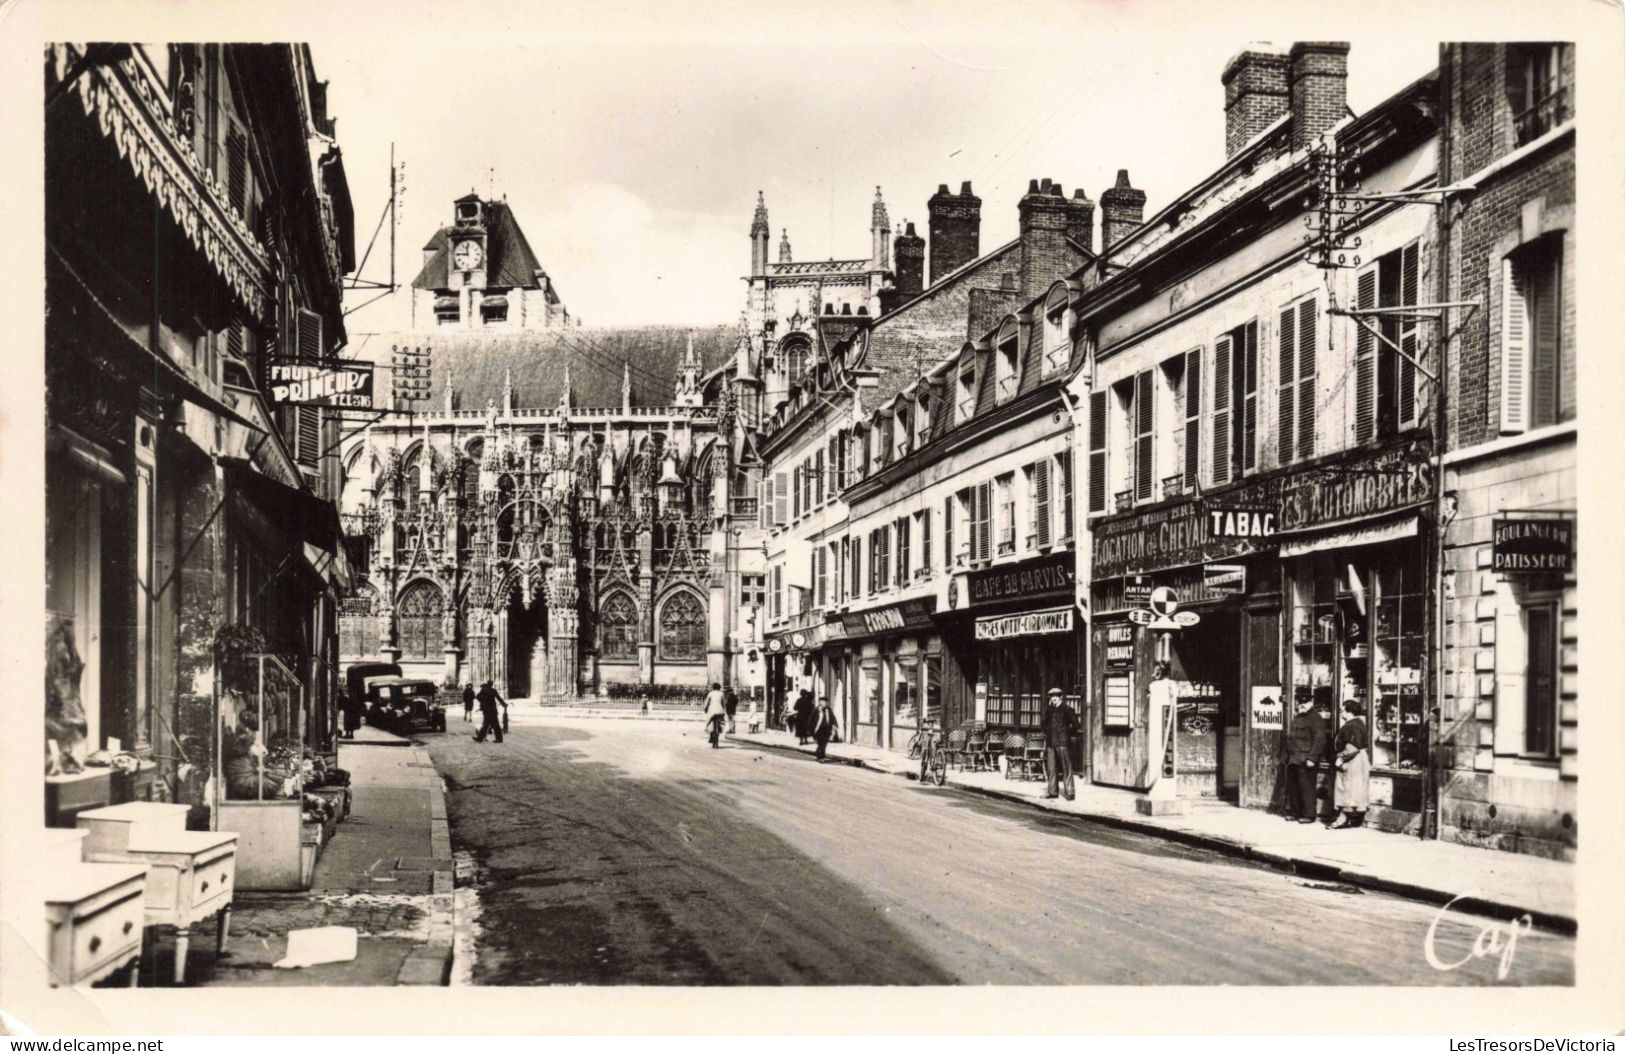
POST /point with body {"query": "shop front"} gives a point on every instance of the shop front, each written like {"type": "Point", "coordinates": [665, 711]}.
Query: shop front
{"type": "Point", "coordinates": [891, 672]}
{"type": "Point", "coordinates": [1012, 634]}
{"type": "Point", "coordinates": [794, 665]}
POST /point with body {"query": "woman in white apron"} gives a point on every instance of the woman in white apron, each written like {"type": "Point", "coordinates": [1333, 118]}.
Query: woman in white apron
{"type": "Point", "coordinates": [1352, 791]}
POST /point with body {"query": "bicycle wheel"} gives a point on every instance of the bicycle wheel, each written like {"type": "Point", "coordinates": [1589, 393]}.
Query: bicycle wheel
{"type": "Point", "coordinates": [914, 748]}
{"type": "Point", "coordinates": [939, 768]}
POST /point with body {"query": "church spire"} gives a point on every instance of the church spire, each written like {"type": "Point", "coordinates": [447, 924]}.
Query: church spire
{"type": "Point", "coordinates": [880, 231]}
{"type": "Point", "coordinates": [759, 233]}
{"type": "Point", "coordinates": [784, 246]}
{"type": "Point", "coordinates": [626, 387]}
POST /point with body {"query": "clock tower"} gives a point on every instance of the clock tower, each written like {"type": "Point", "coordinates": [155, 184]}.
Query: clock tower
{"type": "Point", "coordinates": [467, 265]}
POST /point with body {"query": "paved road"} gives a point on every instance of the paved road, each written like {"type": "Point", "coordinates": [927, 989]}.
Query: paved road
{"type": "Point", "coordinates": [622, 852]}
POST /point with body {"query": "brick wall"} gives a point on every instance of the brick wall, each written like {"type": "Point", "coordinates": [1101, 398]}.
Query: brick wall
{"type": "Point", "coordinates": [932, 328]}
{"type": "Point", "coordinates": [955, 229]}
{"type": "Point", "coordinates": [1049, 222]}
{"type": "Point", "coordinates": [1255, 96]}
{"type": "Point", "coordinates": [909, 269]}
{"type": "Point", "coordinates": [1318, 88]}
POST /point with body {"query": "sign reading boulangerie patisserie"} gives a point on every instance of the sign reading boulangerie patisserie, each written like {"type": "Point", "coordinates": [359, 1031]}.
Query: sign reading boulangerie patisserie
{"type": "Point", "coordinates": [1529, 545]}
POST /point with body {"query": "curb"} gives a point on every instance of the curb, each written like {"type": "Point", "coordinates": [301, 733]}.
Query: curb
{"type": "Point", "coordinates": [430, 964]}
{"type": "Point", "coordinates": [1240, 850]}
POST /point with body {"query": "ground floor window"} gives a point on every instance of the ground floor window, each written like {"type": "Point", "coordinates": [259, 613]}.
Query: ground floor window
{"type": "Point", "coordinates": [1020, 671]}
{"type": "Point", "coordinates": [1540, 621]}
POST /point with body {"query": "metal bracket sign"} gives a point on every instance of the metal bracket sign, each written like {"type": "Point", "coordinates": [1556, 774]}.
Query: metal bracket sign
{"type": "Point", "coordinates": [1137, 591]}
{"type": "Point", "coordinates": [1529, 545]}
{"type": "Point", "coordinates": [1225, 578]}
{"type": "Point", "coordinates": [346, 384]}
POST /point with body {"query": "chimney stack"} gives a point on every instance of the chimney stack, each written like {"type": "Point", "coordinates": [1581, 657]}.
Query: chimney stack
{"type": "Point", "coordinates": [1318, 88]}
{"type": "Point", "coordinates": [1122, 209]}
{"type": "Point", "coordinates": [909, 251]}
{"type": "Point", "coordinates": [1255, 94]}
{"type": "Point", "coordinates": [955, 229]}
{"type": "Point", "coordinates": [1048, 220]}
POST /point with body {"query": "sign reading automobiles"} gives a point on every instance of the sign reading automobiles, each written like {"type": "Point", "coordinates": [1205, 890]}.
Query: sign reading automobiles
{"type": "Point", "coordinates": [1026, 624]}
{"type": "Point", "coordinates": [347, 384]}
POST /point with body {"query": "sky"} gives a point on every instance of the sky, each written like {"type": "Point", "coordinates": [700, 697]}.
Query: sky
{"type": "Point", "coordinates": [631, 140]}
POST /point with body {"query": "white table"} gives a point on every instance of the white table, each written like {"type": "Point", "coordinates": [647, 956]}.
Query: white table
{"type": "Point", "coordinates": [93, 913]}
{"type": "Point", "coordinates": [190, 874]}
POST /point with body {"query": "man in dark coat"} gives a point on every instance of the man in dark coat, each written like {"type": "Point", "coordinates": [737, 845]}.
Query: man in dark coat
{"type": "Point", "coordinates": [823, 722]}
{"type": "Point", "coordinates": [804, 716]}
{"type": "Point", "coordinates": [1060, 724]}
{"type": "Point", "coordinates": [730, 703]}
{"type": "Point", "coordinates": [1305, 745]}
{"type": "Point", "coordinates": [468, 702]}
{"type": "Point", "coordinates": [490, 718]}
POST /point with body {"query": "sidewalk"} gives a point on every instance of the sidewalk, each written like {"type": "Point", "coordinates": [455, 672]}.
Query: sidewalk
{"type": "Point", "coordinates": [1487, 880]}
{"type": "Point", "coordinates": [387, 873]}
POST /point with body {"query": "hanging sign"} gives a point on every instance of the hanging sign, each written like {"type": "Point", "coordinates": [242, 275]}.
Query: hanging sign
{"type": "Point", "coordinates": [1164, 601]}
{"type": "Point", "coordinates": [1137, 591]}
{"type": "Point", "coordinates": [1269, 712]}
{"type": "Point", "coordinates": [1523, 546]}
{"type": "Point", "coordinates": [1226, 579]}
{"type": "Point", "coordinates": [346, 384]}
{"type": "Point", "coordinates": [1141, 616]}
{"type": "Point", "coordinates": [1185, 619]}
{"type": "Point", "coordinates": [1120, 644]}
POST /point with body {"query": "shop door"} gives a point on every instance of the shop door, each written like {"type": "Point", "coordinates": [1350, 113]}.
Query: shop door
{"type": "Point", "coordinates": [1206, 663]}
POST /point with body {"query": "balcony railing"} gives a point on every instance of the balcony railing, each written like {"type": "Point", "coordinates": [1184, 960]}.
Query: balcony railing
{"type": "Point", "coordinates": [743, 508]}
{"type": "Point", "coordinates": [1124, 500]}
{"type": "Point", "coordinates": [1542, 117]}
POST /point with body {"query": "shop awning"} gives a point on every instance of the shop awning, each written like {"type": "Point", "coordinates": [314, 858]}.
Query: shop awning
{"type": "Point", "coordinates": [1349, 537]}
{"type": "Point", "coordinates": [305, 517]}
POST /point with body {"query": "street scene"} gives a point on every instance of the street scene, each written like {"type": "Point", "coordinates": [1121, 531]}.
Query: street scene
{"type": "Point", "coordinates": [896, 570]}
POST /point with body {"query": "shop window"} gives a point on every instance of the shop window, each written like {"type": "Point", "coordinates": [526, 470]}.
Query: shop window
{"type": "Point", "coordinates": [1019, 674]}
{"type": "Point", "coordinates": [1097, 452]}
{"type": "Point", "coordinates": [1384, 379]}
{"type": "Point", "coordinates": [682, 629]}
{"type": "Point", "coordinates": [1534, 363]}
{"type": "Point", "coordinates": [1540, 623]}
{"type": "Point", "coordinates": [1397, 718]}
{"type": "Point", "coordinates": [417, 620]}
{"type": "Point", "coordinates": [1295, 399]}
{"type": "Point", "coordinates": [1235, 403]}
{"type": "Point", "coordinates": [618, 629]}
{"type": "Point", "coordinates": [1538, 89]}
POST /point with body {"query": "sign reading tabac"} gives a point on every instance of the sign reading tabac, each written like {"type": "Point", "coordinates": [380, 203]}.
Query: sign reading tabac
{"type": "Point", "coordinates": [1041, 577]}
{"type": "Point", "coordinates": [1529, 545]}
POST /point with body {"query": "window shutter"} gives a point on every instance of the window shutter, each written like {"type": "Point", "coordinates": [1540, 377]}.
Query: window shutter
{"type": "Point", "coordinates": [1545, 337]}
{"type": "Point", "coordinates": [1514, 349]}
{"type": "Point", "coordinates": [925, 540]}
{"type": "Point", "coordinates": [795, 490]}
{"type": "Point", "coordinates": [1221, 409]}
{"type": "Point", "coordinates": [308, 336]}
{"type": "Point", "coordinates": [308, 442]}
{"type": "Point", "coordinates": [1249, 398]}
{"type": "Point", "coordinates": [818, 477]}
{"type": "Point", "coordinates": [983, 527]}
{"type": "Point", "coordinates": [1097, 451]}
{"type": "Point", "coordinates": [1408, 335]}
{"type": "Point", "coordinates": [1041, 513]}
{"type": "Point", "coordinates": [1286, 360]}
{"type": "Point", "coordinates": [1143, 416]}
{"type": "Point", "coordinates": [781, 498]}
{"type": "Point", "coordinates": [903, 546]}
{"type": "Point", "coordinates": [1365, 360]}
{"type": "Point", "coordinates": [821, 562]}
{"type": "Point", "coordinates": [237, 171]}
{"type": "Point", "coordinates": [1063, 461]}
{"type": "Point", "coordinates": [1193, 417]}
{"type": "Point", "coordinates": [948, 532]}
{"type": "Point", "coordinates": [1308, 335]}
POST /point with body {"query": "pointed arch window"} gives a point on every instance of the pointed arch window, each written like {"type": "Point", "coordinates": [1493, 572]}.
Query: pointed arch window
{"type": "Point", "coordinates": [682, 629]}
{"type": "Point", "coordinates": [618, 629]}
{"type": "Point", "coordinates": [418, 621]}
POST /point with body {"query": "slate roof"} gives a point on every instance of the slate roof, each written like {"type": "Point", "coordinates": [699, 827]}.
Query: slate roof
{"type": "Point", "coordinates": [510, 263]}
{"type": "Point", "coordinates": [477, 361]}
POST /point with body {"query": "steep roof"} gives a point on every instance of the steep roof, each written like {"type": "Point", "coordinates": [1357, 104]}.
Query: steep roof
{"type": "Point", "coordinates": [510, 261]}
{"type": "Point", "coordinates": [476, 362]}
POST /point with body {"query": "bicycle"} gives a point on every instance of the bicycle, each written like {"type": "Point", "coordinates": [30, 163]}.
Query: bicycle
{"type": "Point", "coordinates": [916, 743]}
{"type": "Point", "coordinates": [933, 760]}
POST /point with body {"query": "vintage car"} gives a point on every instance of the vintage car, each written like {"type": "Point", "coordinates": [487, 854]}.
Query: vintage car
{"type": "Point", "coordinates": [394, 702]}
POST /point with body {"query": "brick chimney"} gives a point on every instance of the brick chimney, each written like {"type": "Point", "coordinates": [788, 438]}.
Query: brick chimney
{"type": "Point", "coordinates": [908, 250]}
{"type": "Point", "coordinates": [955, 229]}
{"type": "Point", "coordinates": [1318, 87]}
{"type": "Point", "coordinates": [1255, 94]}
{"type": "Point", "coordinates": [1122, 209]}
{"type": "Point", "coordinates": [1048, 220]}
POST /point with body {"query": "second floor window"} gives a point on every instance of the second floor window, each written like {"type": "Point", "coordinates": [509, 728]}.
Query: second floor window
{"type": "Point", "coordinates": [1385, 379]}
{"type": "Point", "coordinates": [1538, 89]}
{"type": "Point", "coordinates": [903, 550]}
{"type": "Point", "coordinates": [1295, 365]}
{"type": "Point", "coordinates": [923, 519]}
{"type": "Point", "coordinates": [1006, 493]}
{"type": "Point", "coordinates": [1537, 370]}
{"type": "Point", "coordinates": [1098, 489]}
{"type": "Point", "coordinates": [981, 522]}
{"type": "Point", "coordinates": [1235, 403]}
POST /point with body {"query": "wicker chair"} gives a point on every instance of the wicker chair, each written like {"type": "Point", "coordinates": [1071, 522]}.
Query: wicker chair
{"type": "Point", "coordinates": [1015, 748]}
{"type": "Point", "coordinates": [995, 747]}
{"type": "Point", "coordinates": [954, 748]}
{"type": "Point", "coordinates": [976, 744]}
{"type": "Point", "coordinates": [1032, 760]}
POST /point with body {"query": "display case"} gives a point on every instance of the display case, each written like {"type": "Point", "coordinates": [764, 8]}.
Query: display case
{"type": "Point", "coordinates": [1398, 717]}
{"type": "Point", "coordinates": [255, 797]}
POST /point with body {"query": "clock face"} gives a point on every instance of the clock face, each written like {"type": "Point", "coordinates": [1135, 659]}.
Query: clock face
{"type": "Point", "coordinates": [467, 256]}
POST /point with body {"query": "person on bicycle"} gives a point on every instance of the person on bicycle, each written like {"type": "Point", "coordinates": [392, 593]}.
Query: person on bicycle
{"type": "Point", "coordinates": [716, 712]}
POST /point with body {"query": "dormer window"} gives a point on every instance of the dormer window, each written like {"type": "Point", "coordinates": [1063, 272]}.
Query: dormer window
{"type": "Point", "coordinates": [903, 431]}
{"type": "Point", "coordinates": [1005, 365]}
{"type": "Point", "coordinates": [1057, 343]}
{"type": "Point", "coordinates": [965, 396]}
{"type": "Point", "coordinates": [922, 419]}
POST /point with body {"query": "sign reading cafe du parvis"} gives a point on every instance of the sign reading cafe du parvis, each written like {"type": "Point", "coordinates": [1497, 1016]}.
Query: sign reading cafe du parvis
{"type": "Point", "coordinates": [1044, 576]}
{"type": "Point", "coordinates": [1245, 518]}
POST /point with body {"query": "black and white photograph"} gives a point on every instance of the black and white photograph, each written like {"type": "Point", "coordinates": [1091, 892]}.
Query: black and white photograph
{"type": "Point", "coordinates": [802, 507]}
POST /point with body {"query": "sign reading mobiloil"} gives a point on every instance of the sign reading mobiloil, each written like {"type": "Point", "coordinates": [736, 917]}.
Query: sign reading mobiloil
{"type": "Point", "coordinates": [1028, 624]}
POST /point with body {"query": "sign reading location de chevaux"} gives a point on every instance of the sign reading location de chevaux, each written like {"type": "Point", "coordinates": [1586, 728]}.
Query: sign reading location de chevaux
{"type": "Point", "coordinates": [347, 384]}
{"type": "Point", "coordinates": [1526, 545]}
{"type": "Point", "coordinates": [1042, 576]}
{"type": "Point", "coordinates": [1026, 624]}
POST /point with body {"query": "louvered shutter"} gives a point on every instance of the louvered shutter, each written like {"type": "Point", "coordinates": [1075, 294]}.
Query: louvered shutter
{"type": "Point", "coordinates": [1097, 451]}
{"type": "Point", "coordinates": [1308, 336]}
{"type": "Point", "coordinates": [1545, 337]}
{"type": "Point", "coordinates": [1221, 409]}
{"type": "Point", "coordinates": [1063, 461]}
{"type": "Point", "coordinates": [1287, 365]}
{"type": "Point", "coordinates": [237, 171]}
{"type": "Point", "coordinates": [1408, 335]}
{"type": "Point", "coordinates": [1193, 417]}
{"type": "Point", "coordinates": [982, 537]}
{"type": "Point", "coordinates": [1041, 513]}
{"type": "Point", "coordinates": [1514, 349]}
{"type": "Point", "coordinates": [818, 477]}
{"type": "Point", "coordinates": [781, 498]}
{"type": "Point", "coordinates": [904, 540]}
{"type": "Point", "coordinates": [1249, 397]}
{"type": "Point", "coordinates": [1144, 414]}
{"type": "Point", "coordinates": [821, 560]}
{"type": "Point", "coordinates": [1365, 360]}
{"type": "Point", "coordinates": [925, 540]}
{"type": "Point", "coordinates": [948, 532]}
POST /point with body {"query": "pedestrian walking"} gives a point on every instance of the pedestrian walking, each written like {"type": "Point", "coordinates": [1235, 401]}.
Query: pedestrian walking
{"type": "Point", "coordinates": [1352, 792]}
{"type": "Point", "coordinates": [730, 703]}
{"type": "Point", "coordinates": [716, 712]}
{"type": "Point", "coordinates": [468, 702]}
{"type": "Point", "coordinates": [804, 714]}
{"type": "Point", "coordinates": [352, 715]}
{"type": "Point", "coordinates": [490, 719]}
{"type": "Point", "coordinates": [823, 726]}
{"type": "Point", "coordinates": [1303, 747]}
{"type": "Point", "coordinates": [1060, 725]}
